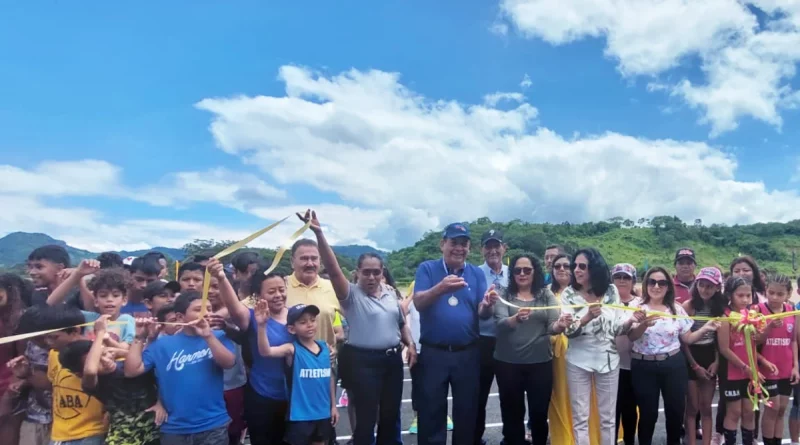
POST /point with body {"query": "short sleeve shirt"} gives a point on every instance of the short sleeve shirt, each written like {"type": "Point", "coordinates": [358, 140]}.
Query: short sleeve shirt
{"type": "Point", "coordinates": [665, 335]}
{"type": "Point", "coordinates": [76, 414]}
{"type": "Point", "coordinates": [40, 402]}
{"type": "Point", "coordinates": [452, 319]}
{"type": "Point", "coordinates": [374, 322]}
{"type": "Point", "coordinates": [121, 330]}
{"type": "Point", "coordinates": [320, 294]}
{"type": "Point", "coordinates": [488, 327]}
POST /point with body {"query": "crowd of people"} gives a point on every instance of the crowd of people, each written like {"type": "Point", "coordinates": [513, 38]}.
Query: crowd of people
{"type": "Point", "coordinates": [121, 355]}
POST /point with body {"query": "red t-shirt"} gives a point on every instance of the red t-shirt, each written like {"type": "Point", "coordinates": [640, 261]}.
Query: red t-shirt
{"type": "Point", "coordinates": [682, 291]}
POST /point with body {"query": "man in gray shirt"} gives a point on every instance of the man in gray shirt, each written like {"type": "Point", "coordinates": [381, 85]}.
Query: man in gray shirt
{"type": "Point", "coordinates": [493, 250]}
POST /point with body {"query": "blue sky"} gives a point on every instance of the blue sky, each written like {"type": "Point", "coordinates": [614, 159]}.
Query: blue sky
{"type": "Point", "coordinates": [376, 113]}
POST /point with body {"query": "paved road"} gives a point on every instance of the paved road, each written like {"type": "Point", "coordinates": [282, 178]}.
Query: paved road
{"type": "Point", "coordinates": [493, 428]}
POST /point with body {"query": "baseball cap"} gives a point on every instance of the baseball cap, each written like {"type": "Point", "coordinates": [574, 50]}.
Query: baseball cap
{"type": "Point", "coordinates": [128, 261]}
{"type": "Point", "coordinates": [456, 230]}
{"type": "Point", "coordinates": [711, 274]}
{"type": "Point", "coordinates": [685, 252]}
{"type": "Point", "coordinates": [157, 288]}
{"type": "Point", "coordinates": [624, 268]}
{"type": "Point", "coordinates": [296, 311]}
{"type": "Point", "coordinates": [492, 234]}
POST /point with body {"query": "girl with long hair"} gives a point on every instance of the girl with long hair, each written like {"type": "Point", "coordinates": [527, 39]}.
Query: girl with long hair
{"type": "Point", "coordinates": [14, 291]}
{"type": "Point", "coordinates": [747, 267]}
{"type": "Point", "coordinates": [702, 357]}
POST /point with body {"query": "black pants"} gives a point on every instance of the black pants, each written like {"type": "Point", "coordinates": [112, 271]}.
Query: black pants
{"type": "Point", "coordinates": [265, 417]}
{"type": "Point", "coordinates": [626, 407]}
{"type": "Point", "coordinates": [667, 379]}
{"type": "Point", "coordinates": [486, 347]}
{"type": "Point", "coordinates": [377, 391]}
{"type": "Point", "coordinates": [514, 382]}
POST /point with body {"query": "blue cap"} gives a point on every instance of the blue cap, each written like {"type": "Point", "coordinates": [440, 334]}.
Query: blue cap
{"type": "Point", "coordinates": [297, 311]}
{"type": "Point", "coordinates": [456, 230]}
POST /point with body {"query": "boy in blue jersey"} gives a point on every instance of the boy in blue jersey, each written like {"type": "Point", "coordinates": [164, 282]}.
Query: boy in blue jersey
{"type": "Point", "coordinates": [188, 368]}
{"type": "Point", "coordinates": [312, 394]}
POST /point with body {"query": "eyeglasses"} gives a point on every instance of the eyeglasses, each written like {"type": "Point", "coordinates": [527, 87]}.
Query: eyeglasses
{"type": "Point", "coordinates": [561, 266]}
{"type": "Point", "coordinates": [523, 270]}
{"type": "Point", "coordinates": [660, 283]}
{"type": "Point", "coordinates": [581, 266]}
{"type": "Point", "coordinates": [623, 277]}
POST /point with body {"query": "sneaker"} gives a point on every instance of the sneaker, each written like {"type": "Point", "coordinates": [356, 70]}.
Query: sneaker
{"type": "Point", "coordinates": [449, 424]}
{"type": "Point", "coordinates": [717, 439]}
{"type": "Point", "coordinates": [413, 428]}
{"type": "Point", "coordinates": [343, 401]}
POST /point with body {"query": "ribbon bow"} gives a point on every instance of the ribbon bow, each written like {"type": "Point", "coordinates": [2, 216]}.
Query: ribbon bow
{"type": "Point", "coordinates": [748, 324]}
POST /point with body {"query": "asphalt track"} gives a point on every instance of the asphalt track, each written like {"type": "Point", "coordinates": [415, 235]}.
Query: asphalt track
{"type": "Point", "coordinates": [494, 424]}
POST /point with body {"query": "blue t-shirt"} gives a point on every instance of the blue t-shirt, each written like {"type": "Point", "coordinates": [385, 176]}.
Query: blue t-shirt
{"type": "Point", "coordinates": [124, 332]}
{"type": "Point", "coordinates": [310, 384]}
{"type": "Point", "coordinates": [442, 323]}
{"type": "Point", "coordinates": [135, 309]}
{"type": "Point", "coordinates": [267, 376]}
{"type": "Point", "coordinates": [189, 382]}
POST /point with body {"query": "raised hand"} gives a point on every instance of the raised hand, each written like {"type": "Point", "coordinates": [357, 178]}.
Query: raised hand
{"type": "Point", "coordinates": [87, 267]}
{"type": "Point", "coordinates": [311, 215]}
{"type": "Point", "coordinates": [261, 312]}
{"type": "Point", "coordinates": [216, 321]}
{"type": "Point", "coordinates": [216, 269]}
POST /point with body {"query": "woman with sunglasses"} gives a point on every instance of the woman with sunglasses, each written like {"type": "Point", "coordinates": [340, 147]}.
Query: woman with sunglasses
{"type": "Point", "coordinates": [377, 327]}
{"type": "Point", "coordinates": [592, 358]}
{"type": "Point", "coordinates": [560, 412]}
{"type": "Point", "coordinates": [523, 351]}
{"type": "Point", "coordinates": [624, 276]}
{"type": "Point", "coordinates": [658, 365]}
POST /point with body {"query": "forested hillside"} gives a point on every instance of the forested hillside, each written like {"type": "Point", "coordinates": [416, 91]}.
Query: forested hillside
{"type": "Point", "coordinates": [643, 242]}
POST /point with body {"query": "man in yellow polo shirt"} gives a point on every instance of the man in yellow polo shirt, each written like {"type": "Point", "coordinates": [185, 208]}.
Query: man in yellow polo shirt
{"type": "Point", "coordinates": [305, 286]}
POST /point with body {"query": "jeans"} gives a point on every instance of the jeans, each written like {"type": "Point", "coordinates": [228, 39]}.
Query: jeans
{"type": "Point", "coordinates": [266, 418]}
{"type": "Point", "coordinates": [514, 381]}
{"type": "Point", "coordinates": [652, 380]}
{"type": "Point", "coordinates": [440, 370]}
{"type": "Point", "coordinates": [626, 407]}
{"type": "Point", "coordinates": [487, 371]}
{"type": "Point", "coordinates": [580, 387]}
{"type": "Point", "coordinates": [377, 391]}
{"type": "Point", "coordinates": [96, 440]}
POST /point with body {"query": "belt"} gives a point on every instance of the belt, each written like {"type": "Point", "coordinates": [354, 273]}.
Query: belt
{"type": "Point", "coordinates": [448, 348]}
{"type": "Point", "coordinates": [388, 351]}
{"type": "Point", "coordinates": [655, 358]}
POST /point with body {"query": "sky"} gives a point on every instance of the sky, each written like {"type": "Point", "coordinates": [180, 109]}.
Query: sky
{"type": "Point", "coordinates": [127, 126]}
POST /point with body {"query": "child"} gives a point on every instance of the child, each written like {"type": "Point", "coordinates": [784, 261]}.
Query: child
{"type": "Point", "coordinates": [159, 294]}
{"type": "Point", "coordinates": [46, 266]}
{"type": "Point", "coordinates": [794, 415]}
{"type": "Point", "coordinates": [109, 289]}
{"type": "Point", "coordinates": [739, 292]}
{"type": "Point", "coordinates": [188, 368]}
{"type": "Point", "coordinates": [78, 417]}
{"type": "Point", "coordinates": [143, 270]}
{"type": "Point", "coordinates": [312, 391]}
{"type": "Point", "coordinates": [190, 276]}
{"type": "Point", "coordinates": [132, 404]}
{"type": "Point", "coordinates": [778, 357]}
{"type": "Point", "coordinates": [31, 368]}
{"type": "Point", "coordinates": [167, 314]}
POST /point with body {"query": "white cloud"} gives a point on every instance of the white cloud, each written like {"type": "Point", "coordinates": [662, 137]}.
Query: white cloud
{"type": "Point", "coordinates": [747, 68]}
{"type": "Point", "coordinates": [51, 178]}
{"type": "Point", "coordinates": [414, 163]}
{"type": "Point", "coordinates": [495, 98]}
{"type": "Point", "coordinates": [526, 82]}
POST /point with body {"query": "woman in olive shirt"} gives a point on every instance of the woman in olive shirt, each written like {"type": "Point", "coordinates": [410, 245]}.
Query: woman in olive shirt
{"type": "Point", "coordinates": [523, 350]}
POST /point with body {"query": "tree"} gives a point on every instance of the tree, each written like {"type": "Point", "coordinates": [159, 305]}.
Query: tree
{"type": "Point", "coordinates": [698, 222]}
{"type": "Point", "coordinates": [628, 223]}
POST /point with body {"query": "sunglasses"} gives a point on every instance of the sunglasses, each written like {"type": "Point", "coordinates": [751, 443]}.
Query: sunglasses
{"type": "Point", "coordinates": [660, 283]}
{"type": "Point", "coordinates": [523, 270]}
{"type": "Point", "coordinates": [372, 272]}
{"type": "Point", "coordinates": [561, 266]}
{"type": "Point", "coordinates": [623, 277]}
{"type": "Point", "coordinates": [581, 266]}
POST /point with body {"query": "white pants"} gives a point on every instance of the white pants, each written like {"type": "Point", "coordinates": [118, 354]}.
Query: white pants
{"type": "Point", "coordinates": [580, 393]}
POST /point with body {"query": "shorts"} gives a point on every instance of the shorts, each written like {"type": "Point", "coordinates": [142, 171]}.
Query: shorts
{"type": "Point", "coordinates": [704, 355]}
{"type": "Point", "coordinates": [733, 390]}
{"type": "Point", "coordinates": [778, 387]}
{"type": "Point", "coordinates": [32, 433]}
{"type": "Point", "coordinates": [211, 437]}
{"type": "Point", "coordinates": [306, 432]}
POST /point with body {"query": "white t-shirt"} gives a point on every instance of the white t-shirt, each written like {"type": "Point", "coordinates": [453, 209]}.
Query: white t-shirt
{"type": "Point", "coordinates": [413, 320]}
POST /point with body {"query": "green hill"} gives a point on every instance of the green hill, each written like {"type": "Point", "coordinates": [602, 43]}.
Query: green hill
{"type": "Point", "coordinates": [645, 241]}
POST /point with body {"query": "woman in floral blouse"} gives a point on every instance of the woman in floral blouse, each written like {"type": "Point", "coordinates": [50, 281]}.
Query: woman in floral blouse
{"type": "Point", "coordinates": [592, 355]}
{"type": "Point", "coordinates": [658, 366]}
